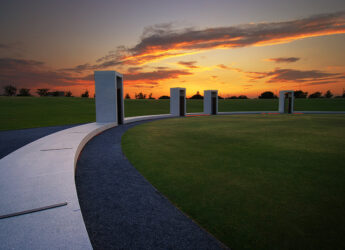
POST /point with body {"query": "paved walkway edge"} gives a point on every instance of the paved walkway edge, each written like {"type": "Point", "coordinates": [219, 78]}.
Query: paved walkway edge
{"type": "Point", "coordinates": [38, 176]}
{"type": "Point", "coordinates": [41, 174]}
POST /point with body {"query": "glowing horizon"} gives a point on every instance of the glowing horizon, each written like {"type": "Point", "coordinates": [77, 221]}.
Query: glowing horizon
{"type": "Point", "coordinates": [302, 53]}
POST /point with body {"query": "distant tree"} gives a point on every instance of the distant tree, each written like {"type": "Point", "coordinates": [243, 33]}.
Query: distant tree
{"type": "Point", "coordinates": [267, 95]}
{"type": "Point", "coordinates": [85, 94]}
{"type": "Point", "coordinates": [140, 96]}
{"type": "Point", "coordinates": [343, 95]}
{"type": "Point", "coordinates": [10, 90]}
{"type": "Point", "coordinates": [300, 94]}
{"type": "Point", "coordinates": [315, 95]}
{"type": "Point", "coordinates": [233, 97]}
{"type": "Point", "coordinates": [242, 97]}
{"type": "Point", "coordinates": [68, 93]}
{"type": "Point", "coordinates": [220, 98]}
{"type": "Point", "coordinates": [42, 92]}
{"type": "Point", "coordinates": [328, 94]}
{"type": "Point", "coordinates": [127, 96]}
{"type": "Point", "coordinates": [24, 92]}
{"type": "Point", "coordinates": [151, 97]}
{"type": "Point", "coordinates": [197, 96]}
{"type": "Point", "coordinates": [164, 97]}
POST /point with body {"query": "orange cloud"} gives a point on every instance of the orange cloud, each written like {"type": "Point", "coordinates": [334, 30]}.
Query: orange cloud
{"type": "Point", "coordinates": [222, 66]}
{"type": "Point", "coordinates": [308, 77]}
{"type": "Point", "coordinates": [153, 77]}
{"type": "Point", "coordinates": [33, 74]}
{"type": "Point", "coordinates": [189, 64]}
{"type": "Point", "coordinates": [162, 42]}
{"type": "Point", "coordinates": [283, 59]}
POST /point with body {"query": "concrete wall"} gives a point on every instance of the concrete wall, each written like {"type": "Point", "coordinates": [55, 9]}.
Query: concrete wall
{"type": "Point", "coordinates": [282, 100]}
{"type": "Point", "coordinates": [106, 85]}
{"type": "Point", "coordinates": [175, 94]}
{"type": "Point", "coordinates": [208, 101]}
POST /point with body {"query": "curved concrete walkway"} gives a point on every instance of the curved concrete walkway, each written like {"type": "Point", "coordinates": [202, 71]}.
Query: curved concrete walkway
{"type": "Point", "coordinates": [122, 210]}
{"type": "Point", "coordinates": [39, 207]}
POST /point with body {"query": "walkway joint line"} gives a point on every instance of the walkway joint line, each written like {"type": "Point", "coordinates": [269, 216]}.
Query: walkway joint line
{"type": "Point", "coordinates": [51, 149]}
{"type": "Point", "coordinates": [33, 210]}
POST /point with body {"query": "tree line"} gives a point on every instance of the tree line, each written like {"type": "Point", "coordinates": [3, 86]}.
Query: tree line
{"type": "Point", "coordinates": [263, 95]}
{"type": "Point", "coordinates": [10, 90]}
{"type": "Point", "coordinates": [301, 94]}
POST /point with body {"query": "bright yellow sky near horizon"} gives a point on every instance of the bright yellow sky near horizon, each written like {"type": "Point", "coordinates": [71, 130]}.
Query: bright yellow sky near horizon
{"type": "Point", "coordinates": [237, 47]}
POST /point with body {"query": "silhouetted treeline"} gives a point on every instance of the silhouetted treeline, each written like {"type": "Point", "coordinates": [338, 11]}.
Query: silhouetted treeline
{"type": "Point", "coordinates": [45, 92]}
{"type": "Point", "coordinates": [300, 94]}
{"type": "Point", "coordinates": [197, 96]}
{"type": "Point", "coordinates": [238, 97]}
{"type": "Point", "coordinates": [85, 94]}
{"type": "Point", "coordinates": [267, 95]}
{"type": "Point", "coordinates": [11, 90]}
{"type": "Point", "coordinates": [140, 95]}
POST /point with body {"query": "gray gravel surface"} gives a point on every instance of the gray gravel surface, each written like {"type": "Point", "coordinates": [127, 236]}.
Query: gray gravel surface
{"type": "Point", "coordinates": [122, 210]}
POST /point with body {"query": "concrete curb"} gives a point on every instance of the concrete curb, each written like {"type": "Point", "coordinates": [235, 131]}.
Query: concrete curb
{"type": "Point", "coordinates": [36, 179]}
{"type": "Point", "coordinates": [41, 175]}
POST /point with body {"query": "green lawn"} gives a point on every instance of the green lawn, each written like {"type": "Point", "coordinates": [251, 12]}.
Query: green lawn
{"type": "Point", "coordinates": [255, 182]}
{"type": "Point", "coordinates": [236, 105]}
{"type": "Point", "coordinates": [146, 107]}
{"type": "Point", "coordinates": [322, 104]}
{"type": "Point", "coordinates": [29, 112]}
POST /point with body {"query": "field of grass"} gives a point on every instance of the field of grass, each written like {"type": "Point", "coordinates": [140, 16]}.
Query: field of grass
{"type": "Point", "coordinates": [321, 104]}
{"type": "Point", "coordinates": [255, 182]}
{"type": "Point", "coordinates": [29, 112]}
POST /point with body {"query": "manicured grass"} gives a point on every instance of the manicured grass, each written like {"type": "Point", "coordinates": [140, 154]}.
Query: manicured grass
{"type": "Point", "coordinates": [320, 104]}
{"type": "Point", "coordinates": [236, 105]}
{"type": "Point", "coordinates": [255, 182]}
{"type": "Point", "coordinates": [146, 107]}
{"type": "Point", "coordinates": [29, 112]}
{"type": "Point", "coordinates": [248, 105]}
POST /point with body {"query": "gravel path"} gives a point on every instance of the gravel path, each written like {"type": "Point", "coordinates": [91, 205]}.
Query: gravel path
{"type": "Point", "coordinates": [122, 210]}
{"type": "Point", "coordinates": [11, 140]}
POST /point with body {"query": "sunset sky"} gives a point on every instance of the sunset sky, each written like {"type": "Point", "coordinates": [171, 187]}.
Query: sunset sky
{"type": "Point", "coordinates": [238, 47]}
